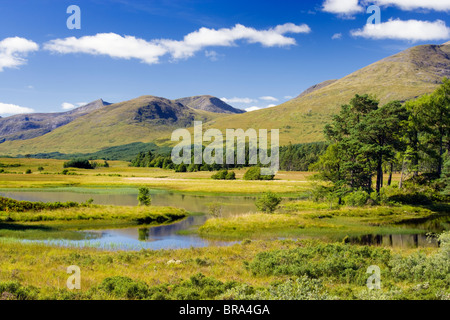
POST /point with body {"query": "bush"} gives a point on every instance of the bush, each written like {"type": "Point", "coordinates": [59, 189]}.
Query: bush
{"type": "Point", "coordinates": [254, 173]}
{"type": "Point", "coordinates": [78, 163]}
{"type": "Point", "coordinates": [224, 175]}
{"type": "Point", "coordinates": [40, 169]}
{"type": "Point", "coordinates": [28, 171]}
{"type": "Point", "coordinates": [144, 197]}
{"type": "Point", "coordinates": [221, 175]}
{"type": "Point", "coordinates": [231, 176]}
{"type": "Point", "coordinates": [268, 202]}
{"type": "Point", "coordinates": [356, 198]}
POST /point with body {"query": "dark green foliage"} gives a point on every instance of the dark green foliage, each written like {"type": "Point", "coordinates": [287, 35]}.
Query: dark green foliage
{"type": "Point", "coordinates": [299, 157]}
{"type": "Point", "coordinates": [231, 176]}
{"type": "Point", "coordinates": [198, 287]}
{"type": "Point", "coordinates": [40, 168]}
{"type": "Point", "coordinates": [79, 163]}
{"type": "Point", "coordinates": [7, 204]}
{"type": "Point", "coordinates": [124, 287]}
{"type": "Point", "coordinates": [356, 198]}
{"type": "Point", "coordinates": [13, 290]}
{"type": "Point", "coordinates": [144, 197]}
{"type": "Point", "coordinates": [224, 175]}
{"type": "Point", "coordinates": [336, 261]}
{"type": "Point", "coordinates": [254, 173]}
{"type": "Point", "coordinates": [181, 168]}
{"type": "Point", "coordinates": [28, 171]}
{"type": "Point", "coordinates": [268, 202]}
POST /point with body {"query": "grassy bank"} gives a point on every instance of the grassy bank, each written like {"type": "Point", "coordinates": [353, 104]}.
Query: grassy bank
{"type": "Point", "coordinates": [305, 219]}
{"type": "Point", "coordinates": [282, 269]}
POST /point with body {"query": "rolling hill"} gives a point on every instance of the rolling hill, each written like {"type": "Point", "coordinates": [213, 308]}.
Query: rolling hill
{"type": "Point", "coordinates": [28, 126]}
{"type": "Point", "coordinates": [144, 119]}
{"type": "Point", "coordinates": [403, 76]}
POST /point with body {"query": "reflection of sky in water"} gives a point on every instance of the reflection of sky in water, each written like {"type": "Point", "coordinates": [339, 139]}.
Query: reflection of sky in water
{"type": "Point", "coordinates": [154, 238]}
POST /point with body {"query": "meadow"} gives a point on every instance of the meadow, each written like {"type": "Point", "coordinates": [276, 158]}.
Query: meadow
{"type": "Point", "coordinates": [302, 251]}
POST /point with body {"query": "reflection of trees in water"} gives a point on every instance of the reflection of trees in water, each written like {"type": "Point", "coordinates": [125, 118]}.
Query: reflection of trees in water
{"type": "Point", "coordinates": [395, 240]}
{"type": "Point", "coordinates": [167, 230]}
{"type": "Point", "coordinates": [143, 234]}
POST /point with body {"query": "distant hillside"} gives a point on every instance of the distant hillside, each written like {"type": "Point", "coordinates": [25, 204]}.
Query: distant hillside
{"type": "Point", "coordinates": [403, 76]}
{"type": "Point", "coordinates": [149, 119]}
{"type": "Point", "coordinates": [145, 119]}
{"type": "Point", "coordinates": [208, 103]}
{"type": "Point", "coordinates": [28, 126]}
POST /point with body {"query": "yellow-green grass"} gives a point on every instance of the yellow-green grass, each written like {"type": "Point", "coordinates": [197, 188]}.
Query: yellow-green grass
{"type": "Point", "coordinates": [62, 223]}
{"type": "Point", "coordinates": [45, 267]}
{"type": "Point", "coordinates": [95, 212]}
{"type": "Point", "coordinates": [119, 174]}
{"type": "Point", "coordinates": [318, 222]}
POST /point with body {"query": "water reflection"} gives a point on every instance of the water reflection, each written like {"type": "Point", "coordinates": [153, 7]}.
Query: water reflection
{"type": "Point", "coordinates": [405, 241]}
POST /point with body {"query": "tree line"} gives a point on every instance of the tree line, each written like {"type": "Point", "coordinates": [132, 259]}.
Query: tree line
{"type": "Point", "coordinates": [366, 139]}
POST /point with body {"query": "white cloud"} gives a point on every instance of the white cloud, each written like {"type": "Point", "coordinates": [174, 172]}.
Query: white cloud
{"type": "Point", "coordinates": [336, 36]}
{"type": "Point", "coordinates": [238, 100]}
{"type": "Point", "coordinates": [288, 97]}
{"type": "Point", "coordinates": [6, 108]}
{"type": "Point", "coordinates": [252, 109]}
{"type": "Point", "coordinates": [412, 30]}
{"type": "Point", "coordinates": [129, 47]}
{"type": "Point", "coordinates": [268, 98]}
{"type": "Point", "coordinates": [342, 7]}
{"type": "Point", "coordinates": [69, 106]}
{"type": "Point", "coordinates": [437, 5]}
{"type": "Point", "coordinates": [212, 55]}
{"type": "Point", "coordinates": [14, 50]}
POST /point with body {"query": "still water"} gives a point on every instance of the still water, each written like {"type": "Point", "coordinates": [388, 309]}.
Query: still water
{"type": "Point", "coordinates": [168, 236]}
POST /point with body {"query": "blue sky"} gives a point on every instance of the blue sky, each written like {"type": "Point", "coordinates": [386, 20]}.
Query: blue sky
{"type": "Point", "coordinates": [252, 53]}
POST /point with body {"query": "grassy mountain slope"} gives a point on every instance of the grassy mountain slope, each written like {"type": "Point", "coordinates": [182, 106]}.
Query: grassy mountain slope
{"type": "Point", "coordinates": [145, 119]}
{"type": "Point", "coordinates": [403, 76]}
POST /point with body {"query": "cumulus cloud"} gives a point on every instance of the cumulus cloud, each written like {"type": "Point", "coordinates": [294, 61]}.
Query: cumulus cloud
{"type": "Point", "coordinates": [288, 97]}
{"type": "Point", "coordinates": [342, 7]}
{"type": "Point", "coordinates": [14, 50]}
{"type": "Point", "coordinates": [412, 30]}
{"type": "Point", "coordinates": [336, 36]}
{"type": "Point", "coordinates": [238, 100]}
{"type": "Point", "coordinates": [268, 98]}
{"type": "Point", "coordinates": [437, 5]}
{"type": "Point", "coordinates": [69, 106]}
{"type": "Point", "coordinates": [252, 109]}
{"type": "Point", "coordinates": [130, 47]}
{"type": "Point", "coordinates": [6, 108]}
{"type": "Point", "coordinates": [212, 55]}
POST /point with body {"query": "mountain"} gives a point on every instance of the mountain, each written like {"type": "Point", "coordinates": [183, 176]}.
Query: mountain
{"type": "Point", "coordinates": [149, 119]}
{"type": "Point", "coordinates": [144, 119]}
{"type": "Point", "coordinates": [403, 76]}
{"type": "Point", "coordinates": [28, 126]}
{"type": "Point", "coordinates": [208, 103]}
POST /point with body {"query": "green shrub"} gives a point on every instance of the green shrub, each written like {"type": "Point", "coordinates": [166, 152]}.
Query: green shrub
{"type": "Point", "coordinates": [79, 163]}
{"type": "Point", "coordinates": [268, 202]}
{"type": "Point", "coordinates": [221, 175]}
{"type": "Point", "coordinates": [13, 290]}
{"type": "Point", "coordinates": [144, 197]}
{"type": "Point", "coordinates": [28, 171]}
{"type": "Point", "coordinates": [124, 287]}
{"type": "Point", "coordinates": [40, 169]}
{"type": "Point", "coordinates": [231, 176]}
{"type": "Point", "coordinates": [356, 198]}
{"type": "Point", "coordinates": [254, 173]}
{"type": "Point", "coordinates": [65, 172]}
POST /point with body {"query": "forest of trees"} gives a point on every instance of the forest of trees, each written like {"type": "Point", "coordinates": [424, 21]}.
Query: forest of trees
{"type": "Point", "coordinates": [296, 157]}
{"type": "Point", "coordinates": [366, 138]}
